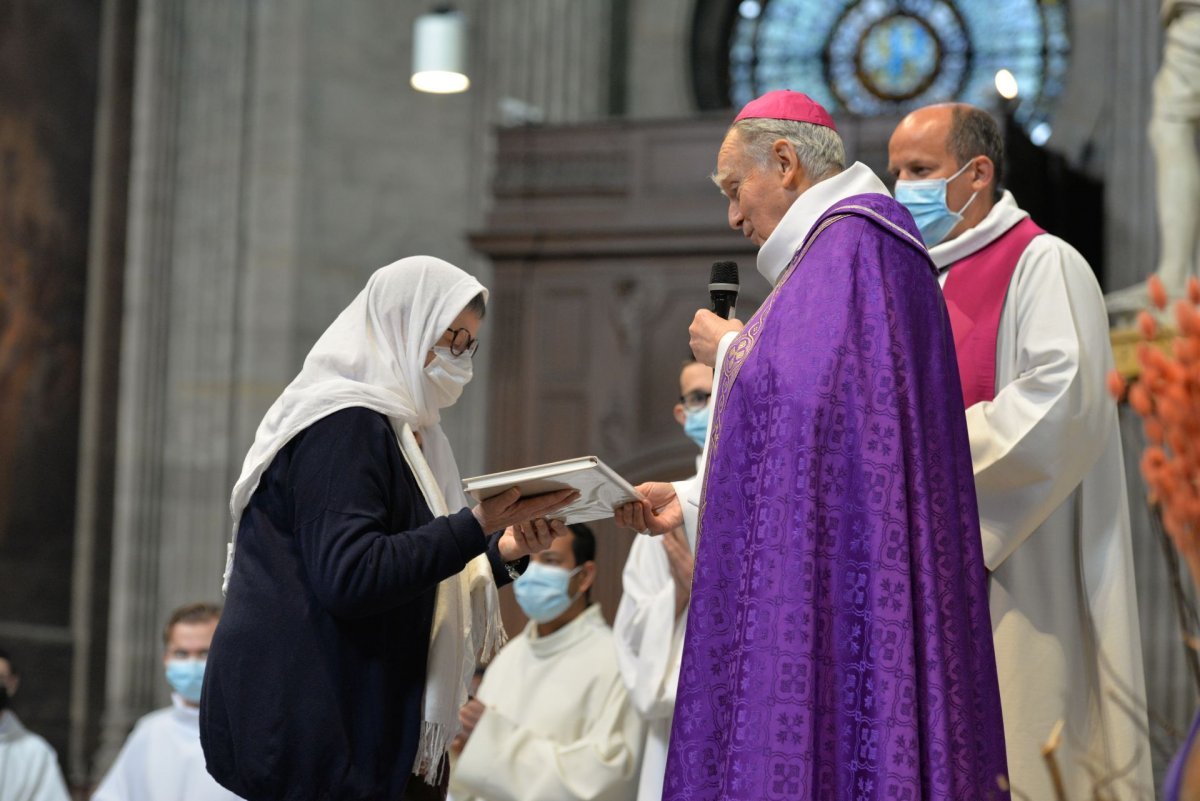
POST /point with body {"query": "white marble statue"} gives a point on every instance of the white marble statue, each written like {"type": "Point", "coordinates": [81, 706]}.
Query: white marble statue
{"type": "Point", "coordinates": [1174, 124]}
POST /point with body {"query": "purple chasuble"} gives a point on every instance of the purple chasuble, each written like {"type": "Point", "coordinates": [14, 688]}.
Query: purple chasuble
{"type": "Point", "coordinates": [839, 644]}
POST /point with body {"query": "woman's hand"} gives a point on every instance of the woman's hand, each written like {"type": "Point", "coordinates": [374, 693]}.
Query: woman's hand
{"type": "Point", "coordinates": [509, 508]}
{"type": "Point", "coordinates": [532, 536]}
{"type": "Point", "coordinates": [657, 514]}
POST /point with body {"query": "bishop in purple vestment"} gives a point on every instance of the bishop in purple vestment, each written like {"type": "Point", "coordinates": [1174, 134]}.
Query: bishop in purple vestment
{"type": "Point", "coordinates": [838, 642]}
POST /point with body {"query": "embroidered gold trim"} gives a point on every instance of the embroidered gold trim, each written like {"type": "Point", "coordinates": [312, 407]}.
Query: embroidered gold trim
{"type": "Point", "coordinates": [920, 245]}
{"type": "Point", "coordinates": [735, 357]}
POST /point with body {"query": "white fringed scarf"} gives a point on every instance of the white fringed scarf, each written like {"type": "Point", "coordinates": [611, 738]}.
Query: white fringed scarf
{"type": "Point", "coordinates": [373, 356]}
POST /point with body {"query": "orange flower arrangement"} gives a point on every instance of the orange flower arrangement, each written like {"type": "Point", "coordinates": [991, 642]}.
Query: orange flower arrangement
{"type": "Point", "coordinates": [1166, 395]}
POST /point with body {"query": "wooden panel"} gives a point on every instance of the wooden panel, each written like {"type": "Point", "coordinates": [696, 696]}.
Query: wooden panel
{"type": "Point", "coordinates": [561, 325]}
{"type": "Point", "coordinates": [561, 431]}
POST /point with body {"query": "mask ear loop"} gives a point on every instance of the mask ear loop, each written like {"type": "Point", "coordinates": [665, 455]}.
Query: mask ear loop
{"type": "Point", "coordinates": [961, 170]}
{"type": "Point", "coordinates": [570, 575]}
{"type": "Point", "coordinates": [968, 203]}
{"type": "Point", "coordinates": [974, 195]}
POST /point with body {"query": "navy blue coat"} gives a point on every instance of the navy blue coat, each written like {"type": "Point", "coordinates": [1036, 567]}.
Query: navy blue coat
{"type": "Point", "coordinates": [316, 675]}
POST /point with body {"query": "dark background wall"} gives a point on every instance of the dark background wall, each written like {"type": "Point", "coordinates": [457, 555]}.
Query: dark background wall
{"type": "Point", "coordinates": [48, 88]}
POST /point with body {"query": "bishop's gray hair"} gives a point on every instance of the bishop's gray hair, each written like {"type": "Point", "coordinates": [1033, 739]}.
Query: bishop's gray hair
{"type": "Point", "coordinates": [818, 147]}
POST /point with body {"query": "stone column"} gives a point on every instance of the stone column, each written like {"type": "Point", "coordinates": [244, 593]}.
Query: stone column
{"type": "Point", "coordinates": [553, 57]}
{"type": "Point", "coordinates": [180, 335]}
{"type": "Point", "coordinates": [1129, 200]}
{"type": "Point", "coordinates": [101, 366]}
{"type": "Point", "coordinates": [660, 59]}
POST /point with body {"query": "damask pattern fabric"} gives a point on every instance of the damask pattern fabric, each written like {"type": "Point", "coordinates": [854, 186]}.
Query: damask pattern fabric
{"type": "Point", "coordinates": [838, 642]}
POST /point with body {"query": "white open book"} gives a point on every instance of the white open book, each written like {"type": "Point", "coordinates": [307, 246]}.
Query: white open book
{"type": "Point", "coordinates": [600, 488]}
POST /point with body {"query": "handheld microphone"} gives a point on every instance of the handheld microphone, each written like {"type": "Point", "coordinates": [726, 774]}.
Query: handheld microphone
{"type": "Point", "coordinates": [723, 288]}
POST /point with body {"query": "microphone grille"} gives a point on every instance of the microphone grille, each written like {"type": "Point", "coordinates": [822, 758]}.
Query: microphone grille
{"type": "Point", "coordinates": [724, 272]}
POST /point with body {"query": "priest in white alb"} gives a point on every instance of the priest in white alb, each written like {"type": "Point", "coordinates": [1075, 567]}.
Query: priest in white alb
{"type": "Point", "coordinates": [657, 585]}
{"type": "Point", "coordinates": [1031, 335]}
{"type": "Point", "coordinates": [551, 720]}
{"type": "Point", "coordinates": [29, 769]}
{"type": "Point", "coordinates": [162, 759]}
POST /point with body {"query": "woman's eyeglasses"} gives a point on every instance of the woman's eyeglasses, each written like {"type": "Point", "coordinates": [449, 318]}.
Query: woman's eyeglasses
{"type": "Point", "coordinates": [462, 342]}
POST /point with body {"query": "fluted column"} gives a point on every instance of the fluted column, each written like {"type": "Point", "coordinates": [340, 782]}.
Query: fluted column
{"type": "Point", "coordinates": [1131, 231]}
{"type": "Point", "coordinates": [130, 681]}
{"type": "Point", "coordinates": [179, 338]}
{"type": "Point", "coordinates": [555, 56]}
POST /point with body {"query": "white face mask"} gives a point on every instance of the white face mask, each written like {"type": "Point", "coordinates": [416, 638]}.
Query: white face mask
{"type": "Point", "coordinates": [446, 375]}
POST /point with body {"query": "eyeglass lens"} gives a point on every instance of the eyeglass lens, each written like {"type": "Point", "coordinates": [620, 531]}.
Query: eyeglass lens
{"type": "Point", "coordinates": [462, 342]}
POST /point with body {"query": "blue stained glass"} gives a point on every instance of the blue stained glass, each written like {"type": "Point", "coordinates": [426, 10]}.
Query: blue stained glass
{"type": "Point", "coordinates": [899, 56]}
{"type": "Point", "coordinates": [875, 57]}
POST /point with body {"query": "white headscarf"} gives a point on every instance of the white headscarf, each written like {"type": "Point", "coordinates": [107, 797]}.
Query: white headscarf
{"type": "Point", "coordinates": [373, 356]}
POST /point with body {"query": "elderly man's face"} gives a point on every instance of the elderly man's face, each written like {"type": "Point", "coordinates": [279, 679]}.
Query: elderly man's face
{"type": "Point", "coordinates": [759, 195]}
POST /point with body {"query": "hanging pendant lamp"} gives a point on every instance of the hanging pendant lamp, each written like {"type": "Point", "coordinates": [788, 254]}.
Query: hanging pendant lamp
{"type": "Point", "coordinates": [439, 52]}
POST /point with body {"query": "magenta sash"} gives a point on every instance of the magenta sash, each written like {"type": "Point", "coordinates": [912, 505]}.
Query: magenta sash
{"type": "Point", "coordinates": [975, 291]}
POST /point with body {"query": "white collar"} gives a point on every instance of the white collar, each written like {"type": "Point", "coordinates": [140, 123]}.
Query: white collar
{"type": "Point", "coordinates": [571, 634]}
{"type": "Point", "coordinates": [10, 725]}
{"type": "Point", "coordinates": [776, 253]}
{"type": "Point", "coordinates": [1003, 216]}
{"type": "Point", "coordinates": [183, 710]}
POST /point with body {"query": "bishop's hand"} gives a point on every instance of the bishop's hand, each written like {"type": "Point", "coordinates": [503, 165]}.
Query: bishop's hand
{"type": "Point", "coordinates": [658, 513]}
{"type": "Point", "coordinates": [705, 333]}
{"type": "Point", "coordinates": [682, 564]}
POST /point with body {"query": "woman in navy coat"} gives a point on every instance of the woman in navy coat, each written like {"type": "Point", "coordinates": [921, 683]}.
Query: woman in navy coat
{"type": "Point", "coordinates": [361, 585]}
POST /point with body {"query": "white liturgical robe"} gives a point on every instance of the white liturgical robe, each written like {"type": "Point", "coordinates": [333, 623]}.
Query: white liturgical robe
{"type": "Point", "coordinates": [1054, 517]}
{"type": "Point", "coordinates": [650, 641]}
{"type": "Point", "coordinates": [558, 724]}
{"type": "Point", "coordinates": [162, 761]}
{"type": "Point", "coordinates": [28, 765]}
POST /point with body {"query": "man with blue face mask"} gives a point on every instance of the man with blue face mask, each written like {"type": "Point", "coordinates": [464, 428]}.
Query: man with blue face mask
{"type": "Point", "coordinates": [1031, 337]}
{"type": "Point", "coordinates": [29, 769]}
{"type": "Point", "coordinates": [657, 584]}
{"type": "Point", "coordinates": [552, 720]}
{"type": "Point", "coordinates": [162, 759]}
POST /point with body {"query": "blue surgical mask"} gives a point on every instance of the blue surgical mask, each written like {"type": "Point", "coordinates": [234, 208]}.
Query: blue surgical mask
{"type": "Point", "coordinates": [695, 425]}
{"type": "Point", "coordinates": [926, 201]}
{"type": "Point", "coordinates": [186, 677]}
{"type": "Point", "coordinates": [542, 591]}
